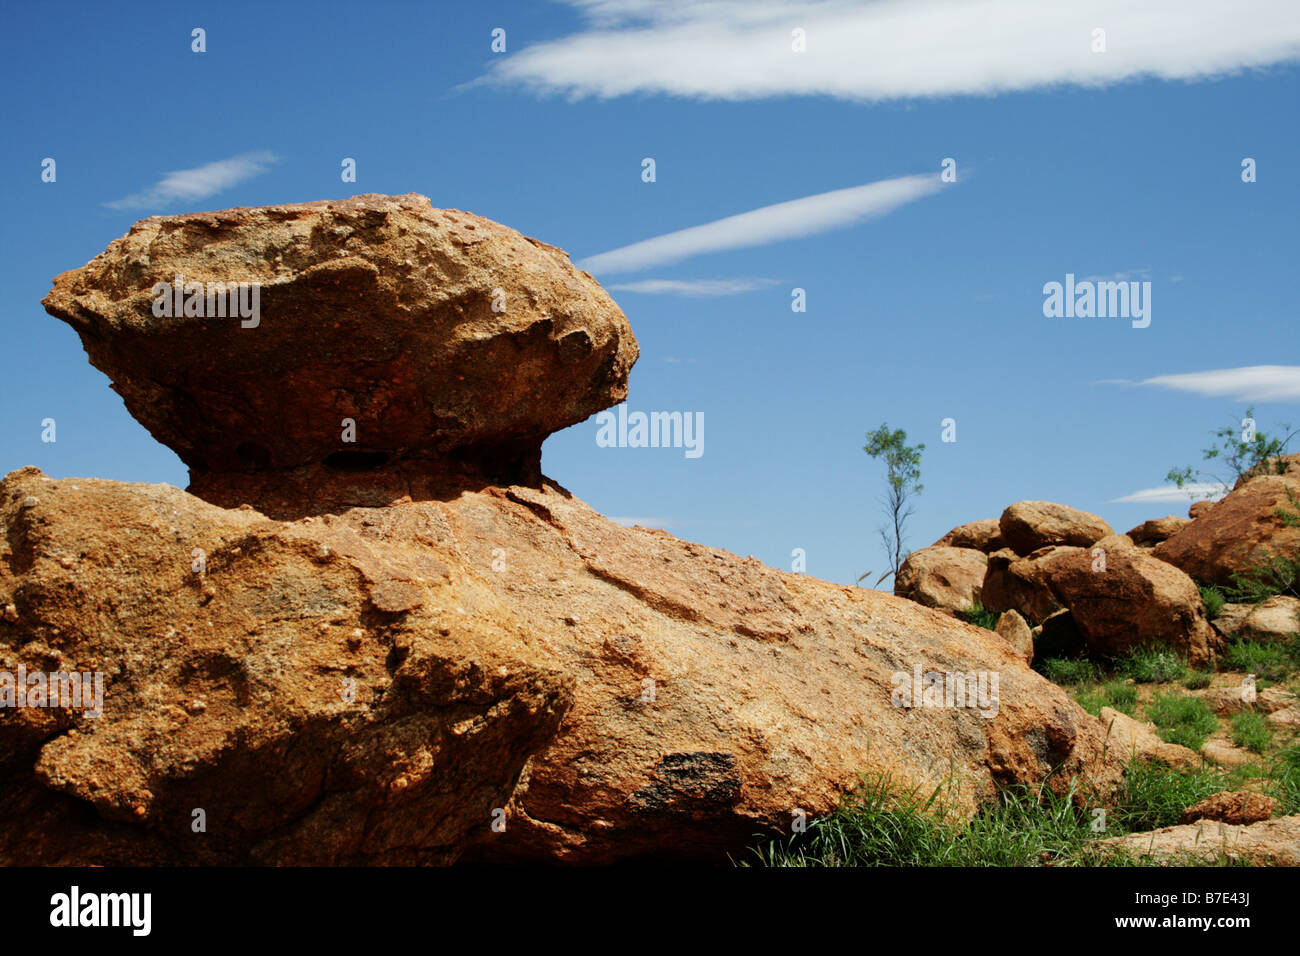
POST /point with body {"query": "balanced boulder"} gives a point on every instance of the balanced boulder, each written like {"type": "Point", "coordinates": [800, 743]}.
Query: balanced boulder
{"type": "Point", "coordinates": [1029, 525]}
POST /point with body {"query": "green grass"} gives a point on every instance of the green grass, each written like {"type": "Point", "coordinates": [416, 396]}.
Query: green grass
{"type": "Point", "coordinates": [879, 825]}
{"type": "Point", "coordinates": [1213, 599]}
{"type": "Point", "coordinates": [1286, 780]}
{"type": "Point", "coordinates": [1182, 720]}
{"type": "Point", "coordinates": [1251, 730]}
{"type": "Point", "coordinates": [1121, 695]}
{"type": "Point", "coordinates": [1271, 662]}
{"type": "Point", "coordinates": [981, 617]}
{"type": "Point", "coordinates": [1152, 665]}
{"type": "Point", "coordinates": [1279, 575]}
{"type": "Point", "coordinates": [1061, 671]}
{"type": "Point", "coordinates": [1155, 796]}
{"type": "Point", "coordinates": [1198, 680]}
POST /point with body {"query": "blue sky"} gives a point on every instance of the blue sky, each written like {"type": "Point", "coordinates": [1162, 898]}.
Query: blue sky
{"type": "Point", "coordinates": [1123, 163]}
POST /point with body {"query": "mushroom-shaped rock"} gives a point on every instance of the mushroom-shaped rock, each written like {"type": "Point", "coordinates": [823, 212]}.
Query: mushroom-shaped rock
{"type": "Point", "coordinates": [373, 332]}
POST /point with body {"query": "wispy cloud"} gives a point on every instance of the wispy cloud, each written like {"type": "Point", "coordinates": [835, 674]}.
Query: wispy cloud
{"type": "Point", "coordinates": [696, 288]}
{"type": "Point", "coordinates": [896, 49]}
{"type": "Point", "coordinates": [758, 227]}
{"type": "Point", "coordinates": [1251, 383]}
{"type": "Point", "coordinates": [1124, 276]}
{"type": "Point", "coordinates": [1192, 491]}
{"type": "Point", "coordinates": [191, 185]}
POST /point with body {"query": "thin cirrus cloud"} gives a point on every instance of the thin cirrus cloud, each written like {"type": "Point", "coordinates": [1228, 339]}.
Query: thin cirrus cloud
{"type": "Point", "coordinates": [758, 227]}
{"type": "Point", "coordinates": [191, 185]}
{"type": "Point", "coordinates": [695, 288]}
{"type": "Point", "coordinates": [895, 49]}
{"type": "Point", "coordinates": [1251, 383]}
{"type": "Point", "coordinates": [1172, 494]}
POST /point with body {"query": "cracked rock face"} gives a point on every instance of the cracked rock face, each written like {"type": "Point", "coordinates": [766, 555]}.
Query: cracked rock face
{"type": "Point", "coordinates": [450, 342]}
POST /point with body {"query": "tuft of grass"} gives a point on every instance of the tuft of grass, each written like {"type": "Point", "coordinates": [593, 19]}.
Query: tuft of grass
{"type": "Point", "coordinates": [1061, 671]}
{"type": "Point", "coordinates": [1121, 695]}
{"type": "Point", "coordinates": [1198, 680]}
{"type": "Point", "coordinates": [1213, 599]}
{"type": "Point", "coordinates": [1152, 665]}
{"type": "Point", "coordinates": [1182, 720]}
{"type": "Point", "coordinates": [1271, 662]}
{"type": "Point", "coordinates": [981, 617]}
{"type": "Point", "coordinates": [1251, 730]}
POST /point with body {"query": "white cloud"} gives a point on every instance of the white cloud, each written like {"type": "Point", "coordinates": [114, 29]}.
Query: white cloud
{"type": "Point", "coordinates": [1125, 276]}
{"type": "Point", "coordinates": [191, 185]}
{"type": "Point", "coordinates": [695, 287]}
{"type": "Point", "coordinates": [1253, 383]}
{"type": "Point", "coordinates": [785, 220]}
{"type": "Point", "coordinates": [1192, 491]}
{"type": "Point", "coordinates": [895, 49]}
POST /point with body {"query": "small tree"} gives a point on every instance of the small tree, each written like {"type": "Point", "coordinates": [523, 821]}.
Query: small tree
{"type": "Point", "coordinates": [903, 478]}
{"type": "Point", "coordinates": [1241, 449]}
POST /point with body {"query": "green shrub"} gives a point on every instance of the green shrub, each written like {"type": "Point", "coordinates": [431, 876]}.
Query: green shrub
{"type": "Point", "coordinates": [1062, 671]}
{"type": "Point", "coordinates": [1213, 599]}
{"type": "Point", "coordinates": [1152, 665]}
{"type": "Point", "coordinates": [981, 617]}
{"type": "Point", "coordinates": [1251, 730]}
{"type": "Point", "coordinates": [1198, 680]}
{"type": "Point", "coordinates": [1182, 720]}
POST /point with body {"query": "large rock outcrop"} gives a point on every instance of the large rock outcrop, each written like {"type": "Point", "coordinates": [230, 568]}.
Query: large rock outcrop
{"type": "Point", "coordinates": [1242, 531]}
{"type": "Point", "coordinates": [427, 652]}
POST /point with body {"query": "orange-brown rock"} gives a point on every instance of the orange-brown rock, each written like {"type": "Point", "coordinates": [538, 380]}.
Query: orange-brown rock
{"type": "Point", "coordinates": [1240, 532]}
{"type": "Point", "coordinates": [1030, 525]}
{"type": "Point", "coordinates": [983, 536]}
{"type": "Point", "coordinates": [1267, 843]}
{"type": "Point", "coordinates": [1239, 807]}
{"type": "Point", "coordinates": [388, 334]}
{"type": "Point", "coordinates": [1275, 620]}
{"type": "Point", "coordinates": [942, 577]}
{"type": "Point", "coordinates": [382, 685]}
{"type": "Point", "coordinates": [1015, 582]}
{"type": "Point", "coordinates": [1128, 600]}
{"type": "Point", "coordinates": [1013, 628]}
{"type": "Point", "coordinates": [1152, 532]}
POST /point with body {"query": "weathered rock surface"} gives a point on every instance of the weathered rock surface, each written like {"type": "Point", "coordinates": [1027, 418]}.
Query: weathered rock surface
{"type": "Point", "coordinates": [942, 577]}
{"type": "Point", "coordinates": [617, 692]}
{"type": "Point", "coordinates": [1150, 533]}
{"type": "Point", "coordinates": [1014, 628]}
{"type": "Point", "coordinates": [1268, 843]}
{"type": "Point", "coordinates": [1029, 525]}
{"type": "Point", "coordinates": [1133, 738]}
{"type": "Point", "coordinates": [1013, 582]}
{"type": "Point", "coordinates": [1239, 807]}
{"type": "Point", "coordinates": [1241, 531]}
{"type": "Point", "coordinates": [1135, 599]}
{"type": "Point", "coordinates": [983, 536]}
{"type": "Point", "coordinates": [1198, 508]}
{"type": "Point", "coordinates": [444, 337]}
{"type": "Point", "coordinates": [1275, 620]}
